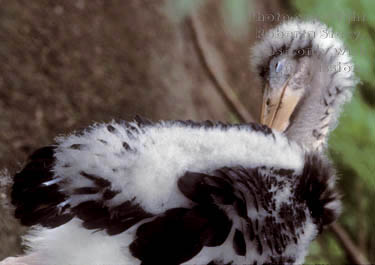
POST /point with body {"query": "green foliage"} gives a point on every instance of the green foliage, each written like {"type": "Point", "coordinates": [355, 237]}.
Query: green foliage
{"type": "Point", "coordinates": [354, 144]}
{"type": "Point", "coordinates": [234, 12]}
{"type": "Point", "coordinates": [179, 9]}
{"type": "Point", "coordinates": [236, 15]}
{"type": "Point", "coordinates": [315, 254]}
{"type": "Point", "coordinates": [325, 250]}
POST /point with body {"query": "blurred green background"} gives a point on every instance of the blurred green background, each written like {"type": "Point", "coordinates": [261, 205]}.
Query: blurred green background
{"type": "Point", "coordinates": [66, 64]}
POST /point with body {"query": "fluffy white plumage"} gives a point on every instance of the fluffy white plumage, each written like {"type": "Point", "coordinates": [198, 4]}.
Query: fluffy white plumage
{"type": "Point", "coordinates": [183, 192]}
{"type": "Point", "coordinates": [143, 164]}
{"type": "Point", "coordinates": [158, 155]}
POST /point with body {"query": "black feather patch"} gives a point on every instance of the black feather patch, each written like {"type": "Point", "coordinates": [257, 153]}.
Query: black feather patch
{"type": "Point", "coordinates": [202, 188]}
{"type": "Point", "coordinates": [114, 220]}
{"type": "Point", "coordinates": [93, 214]}
{"type": "Point", "coordinates": [239, 243]}
{"type": "Point", "coordinates": [77, 146]}
{"type": "Point", "coordinates": [34, 202]}
{"type": "Point", "coordinates": [126, 146]}
{"type": "Point", "coordinates": [142, 122]}
{"type": "Point", "coordinates": [37, 203]}
{"type": "Point", "coordinates": [46, 152]}
{"type": "Point", "coordinates": [315, 190]}
{"type": "Point", "coordinates": [259, 245]}
{"type": "Point", "coordinates": [108, 194]}
{"type": "Point", "coordinates": [99, 181]}
{"type": "Point", "coordinates": [103, 141]}
{"type": "Point", "coordinates": [179, 234]}
{"type": "Point", "coordinates": [219, 263]}
{"type": "Point", "coordinates": [86, 190]}
{"type": "Point", "coordinates": [111, 129]}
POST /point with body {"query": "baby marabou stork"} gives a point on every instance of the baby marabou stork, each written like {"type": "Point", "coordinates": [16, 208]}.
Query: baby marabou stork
{"type": "Point", "coordinates": [183, 192]}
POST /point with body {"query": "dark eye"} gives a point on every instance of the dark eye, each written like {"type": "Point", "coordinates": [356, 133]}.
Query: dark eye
{"type": "Point", "coordinates": [263, 72]}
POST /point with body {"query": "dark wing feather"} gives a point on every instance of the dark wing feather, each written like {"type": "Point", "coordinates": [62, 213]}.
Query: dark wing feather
{"type": "Point", "coordinates": [36, 203]}
{"type": "Point", "coordinates": [179, 234]}
{"type": "Point", "coordinates": [115, 220]}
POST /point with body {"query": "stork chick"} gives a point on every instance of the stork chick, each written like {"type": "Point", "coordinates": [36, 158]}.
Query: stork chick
{"type": "Point", "coordinates": [184, 192]}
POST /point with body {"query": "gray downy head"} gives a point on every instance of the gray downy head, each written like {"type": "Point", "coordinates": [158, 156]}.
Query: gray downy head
{"type": "Point", "coordinates": [307, 76]}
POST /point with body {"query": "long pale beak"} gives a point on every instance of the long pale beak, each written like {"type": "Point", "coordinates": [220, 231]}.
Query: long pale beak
{"type": "Point", "coordinates": [279, 105]}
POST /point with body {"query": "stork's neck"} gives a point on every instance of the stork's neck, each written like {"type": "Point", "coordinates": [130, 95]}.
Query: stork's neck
{"type": "Point", "coordinates": [329, 88]}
